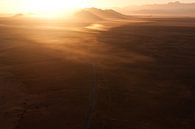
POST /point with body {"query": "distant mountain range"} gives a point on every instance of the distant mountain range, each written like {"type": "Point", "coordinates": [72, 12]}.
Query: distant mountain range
{"type": "Point", "coordinates": [94, 14]}
{"type": "Point", "coordinates": [170, 9]}
{"type": "Point", "coordinates": [88, 15]}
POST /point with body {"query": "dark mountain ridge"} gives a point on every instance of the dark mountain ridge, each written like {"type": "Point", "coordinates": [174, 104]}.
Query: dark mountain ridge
{"type": "Point", "coordinates": [170, 9]}
{"type": "Point", "coordinates": [94, 14]}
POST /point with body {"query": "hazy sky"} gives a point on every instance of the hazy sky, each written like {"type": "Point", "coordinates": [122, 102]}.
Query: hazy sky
{"type": "Point", "coordinates": [15, 5]}
{"type": "Point", "coordinates": [113, 3]}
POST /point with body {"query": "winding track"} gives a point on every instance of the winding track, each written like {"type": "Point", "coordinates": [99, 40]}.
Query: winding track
{"type": "Point", "coordinates": [92, 102]}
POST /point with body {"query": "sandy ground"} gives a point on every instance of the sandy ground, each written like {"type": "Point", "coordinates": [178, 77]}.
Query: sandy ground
{"type": "Point", "coordinates": [135, 75]}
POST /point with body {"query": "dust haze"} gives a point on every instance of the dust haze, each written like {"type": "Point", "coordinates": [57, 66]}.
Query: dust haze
{"type": "Point", "coordinates": [101, 70]}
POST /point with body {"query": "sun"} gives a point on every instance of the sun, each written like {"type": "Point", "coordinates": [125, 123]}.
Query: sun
{"type": "Point", "coordinates": [53, 8]}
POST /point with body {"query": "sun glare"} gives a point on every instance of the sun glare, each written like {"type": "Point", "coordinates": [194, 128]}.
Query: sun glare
{"type": "Point", "coordinates": [53, 8]}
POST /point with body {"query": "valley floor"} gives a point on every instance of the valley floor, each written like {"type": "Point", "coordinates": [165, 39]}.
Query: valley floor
{"type": "Point", "coordinates": [135, 75]}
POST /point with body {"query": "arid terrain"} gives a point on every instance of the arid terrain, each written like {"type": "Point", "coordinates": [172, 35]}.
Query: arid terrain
{"type": "Point", "coordinates": [107, 75]}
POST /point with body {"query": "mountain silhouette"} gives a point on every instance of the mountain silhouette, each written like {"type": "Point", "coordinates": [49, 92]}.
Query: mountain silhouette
{"type": "Point", "coordinates": [170, 9]}
{"type": "Point", "coordinates": [84, 15]}
{"type": "Point", "coordinates": [94, 14]}
{"type": "Point", "coordinates": [106, 14]}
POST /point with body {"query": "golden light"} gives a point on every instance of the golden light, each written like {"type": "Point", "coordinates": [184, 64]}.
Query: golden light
{"type": "Point", "coordinates": [53, 8]}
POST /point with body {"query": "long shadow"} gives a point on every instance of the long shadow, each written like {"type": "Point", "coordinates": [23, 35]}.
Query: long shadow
{"type": "Point", "coordinates": [169, 77]}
